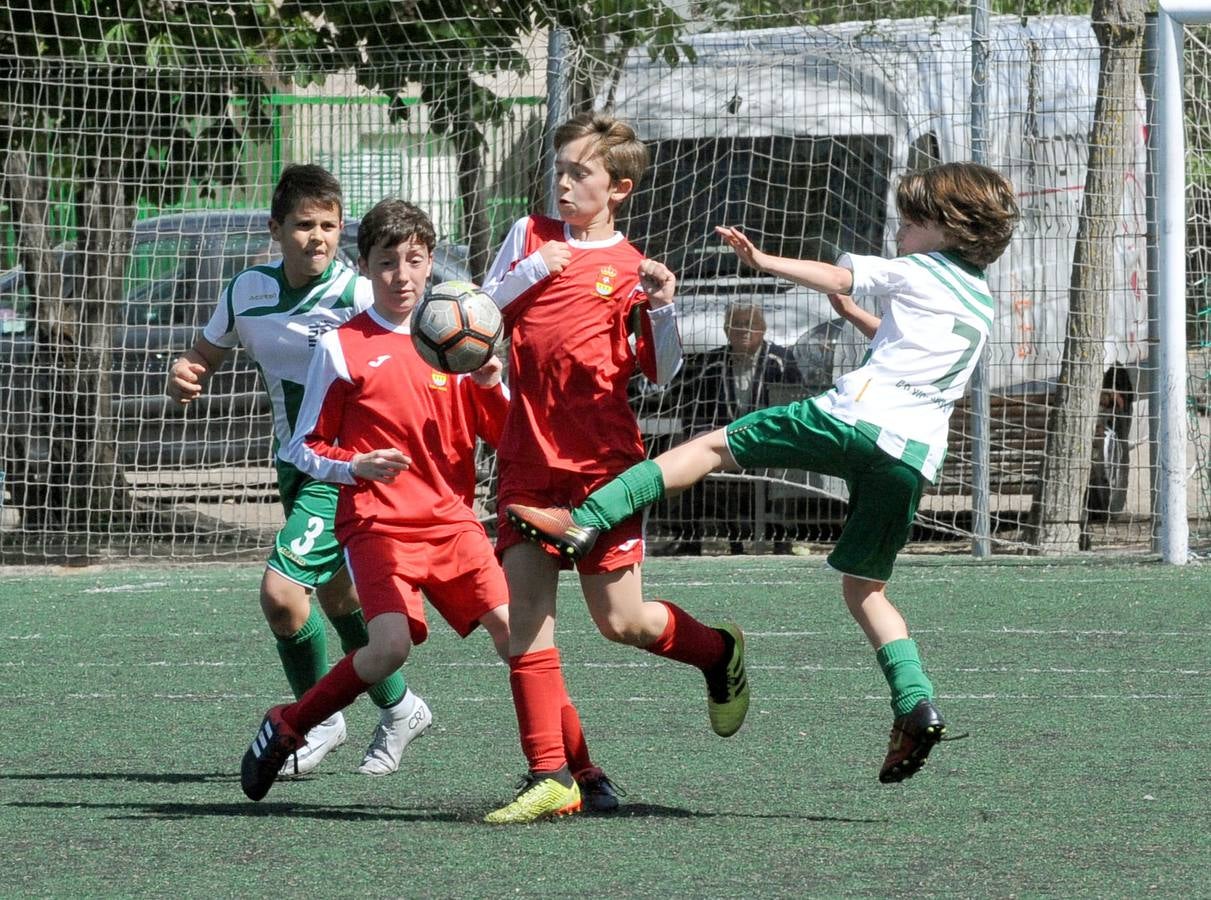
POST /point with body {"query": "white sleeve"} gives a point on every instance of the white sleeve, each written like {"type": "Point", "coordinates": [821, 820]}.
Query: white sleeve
{"type": "Point", "coordinates": [506, 281]}
{"type": "Point", "coordinates": [666, 341]}
{"type": "Point", "coordinates": [327, 366]}
{"type": "Point", "coordinates": [875, 276]}
{"type": "Point", "coordinates": [220, 330]}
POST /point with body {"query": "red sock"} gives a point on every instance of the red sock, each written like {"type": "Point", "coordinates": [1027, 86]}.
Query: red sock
{"type": "Point", "coordinates": [687, 640]}
{"type": "Point", "coordinates": [329, 695]}
{"type": "Point", "coordinates": [575, 747]}
{"type": "Point", "coordinates": [538, 697]}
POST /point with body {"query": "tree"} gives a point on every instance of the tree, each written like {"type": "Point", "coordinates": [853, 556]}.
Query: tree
{"type": "Point", "coordinates": [446, 52]}
{"type": "Point", "coordinates": [117, 103]}
{"type": "Point", "coordinates": [1059, 503]}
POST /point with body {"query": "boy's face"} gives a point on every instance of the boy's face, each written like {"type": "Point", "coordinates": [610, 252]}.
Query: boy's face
{"type": "Point", "coordinates": [398, 276]}
{"type": "Point", "coordinates": [583, 187]}
{"type": "Point", "coordinates": [919, 237]}
{"type": "Point", "coordinates": [308, 237]}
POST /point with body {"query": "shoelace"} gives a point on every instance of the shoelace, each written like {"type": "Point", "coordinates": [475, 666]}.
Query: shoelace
{"type": "Point", "coordinates": [381, 735]}
{"type": "Point", "coordinates": [602, 780]}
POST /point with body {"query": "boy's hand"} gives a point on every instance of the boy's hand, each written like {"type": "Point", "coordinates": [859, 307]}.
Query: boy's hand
{"type": "Point", "coordinates": [380, 465]}
{"type": "Point", "coordinates": [743, 247]}
{"type": "Point", "coordinates": [185, 380]}
{"type": "Point", "coordinates": [556, 254]}
{"type": "Point", "coordinates": [658, 282]}
{"type": "Point", "coordinates": [488, 375]}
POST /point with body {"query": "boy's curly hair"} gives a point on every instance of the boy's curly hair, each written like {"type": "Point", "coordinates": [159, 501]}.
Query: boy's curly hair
{"type": "Point", "coordinates": [975, 206]}
{"type": "Point", "coordinates": [391, 222]}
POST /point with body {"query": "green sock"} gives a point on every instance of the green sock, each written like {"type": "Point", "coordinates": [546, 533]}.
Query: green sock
{"type": "Point", "coordinates": [639, 486]}
{"type": "Point", "coordinates": [305, 654]}
{"type": "Point", "coordinates": [352, 631]}
{"type": "Point", "coordinates": [901, 667]}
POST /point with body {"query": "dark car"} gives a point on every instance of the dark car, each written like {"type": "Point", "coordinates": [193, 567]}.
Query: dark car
{"type": "Point", "coordinates": [177, 268]}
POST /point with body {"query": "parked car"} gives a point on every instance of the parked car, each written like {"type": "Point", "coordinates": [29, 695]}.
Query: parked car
{"type": "Point", "coordinates": [177, 268]}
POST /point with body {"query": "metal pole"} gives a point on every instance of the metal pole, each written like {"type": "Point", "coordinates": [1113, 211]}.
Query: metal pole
{"type": "Point", "coordinates": [1172, 529]}
{"type": "Point", "coordinates": [981, 526]}
{"type": "Point", "coordinates": [558, 46]}
{"type": "Point", "coordinates": [1149, 377]}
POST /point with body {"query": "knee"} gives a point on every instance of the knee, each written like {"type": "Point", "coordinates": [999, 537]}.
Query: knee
{"type": "Point", "coordinates": [286, 611]}
{"type": "Point", "coordinates": [620, 629]}
{"type": "Point", "coordinates": [381, 657]}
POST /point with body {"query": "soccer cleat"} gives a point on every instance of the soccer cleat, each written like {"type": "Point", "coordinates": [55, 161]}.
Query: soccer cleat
{"type": "Point", "coordinates": [597, 793]}
{"type": "Point", "coordinates": [274, 741]}
{"type": "Point", "coordinates": [321, 740]}
{"type": "Point", "coordinates": [537, 798]}
{"type": "Point", "coordinates": [393, 734]}
{"type": "Point", "coordinates": [553, 526]}
{"type": "Point", "coordinates": [727, 685]}
{"type": "Point", "coordinates": [913, 735]}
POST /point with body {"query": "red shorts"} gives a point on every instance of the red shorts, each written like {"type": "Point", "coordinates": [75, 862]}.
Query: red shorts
{"type": "Point", "coordinates": [619, 548]}
{"type": "Point", "coordinates": [459, 574]}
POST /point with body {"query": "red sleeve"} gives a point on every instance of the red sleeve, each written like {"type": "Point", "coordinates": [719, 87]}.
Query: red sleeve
{"type": "Point", "coordinates": [487, 408]}
{"type": "Point", "coordinates": [641, 327]}
{"type": "Point", "coordinates": [327, 427]}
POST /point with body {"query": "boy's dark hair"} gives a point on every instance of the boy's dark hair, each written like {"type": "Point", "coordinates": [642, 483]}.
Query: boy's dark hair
{"type": "Point", "coordinates": [624, 155]}
{"type": "Point", "coordinates": [974, 204]}
{"type": "Point", "coordinates": [305, 183]}
{"type": "Point", "coordinates": [391, 222]}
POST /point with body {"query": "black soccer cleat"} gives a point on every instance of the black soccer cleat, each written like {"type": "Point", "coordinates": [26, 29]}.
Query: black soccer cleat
{"type": "Point", "coordinates": [553, 526]}
{"type": "Point", "coordinates": [274, 741]}
{"type": "Point", "coordinates": [597, 793]}
{"type": "Point", "coordinates": [913, 735]}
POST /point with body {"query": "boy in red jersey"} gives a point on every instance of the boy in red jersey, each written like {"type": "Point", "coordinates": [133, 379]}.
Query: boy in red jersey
{"type": "Point", "coordinates": [575, 294]}
{"type": "Point", "coordinates": [398, 436]}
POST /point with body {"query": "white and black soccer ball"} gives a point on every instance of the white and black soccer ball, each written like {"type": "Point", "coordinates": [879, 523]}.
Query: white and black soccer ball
{"type": "Point", "coordinates": [456, 327]}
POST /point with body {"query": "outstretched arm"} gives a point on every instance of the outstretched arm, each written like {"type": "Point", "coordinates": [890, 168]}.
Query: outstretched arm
{"type": "Point", "coordinates": [819, 276]}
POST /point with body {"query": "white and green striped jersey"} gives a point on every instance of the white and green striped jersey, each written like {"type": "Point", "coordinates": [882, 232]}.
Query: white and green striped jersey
{"type": "Point", "coordinates": [936, 314]}
{"type": "Point", "coordinates": [278, 326]}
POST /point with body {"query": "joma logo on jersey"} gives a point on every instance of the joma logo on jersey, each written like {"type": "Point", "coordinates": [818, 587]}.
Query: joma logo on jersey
{"type": "Point", "coordinates": [316, 329]}
{"type": "Point", "coordinates": [439, 381]}
{"type": "Point", "coordinates": [605, 280]}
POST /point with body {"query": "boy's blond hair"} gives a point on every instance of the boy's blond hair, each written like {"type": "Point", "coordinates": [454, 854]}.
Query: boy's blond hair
{"type": "Point", "coordinates": [975, 206]}
{"type": "Point", "coordinates": [624, 155]}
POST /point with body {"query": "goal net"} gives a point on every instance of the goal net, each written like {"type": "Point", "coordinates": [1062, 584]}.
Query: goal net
{"type": "Point", "coordinates": [144, 152]}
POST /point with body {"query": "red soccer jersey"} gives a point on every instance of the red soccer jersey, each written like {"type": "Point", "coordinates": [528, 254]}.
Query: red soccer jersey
{"type": "Point", "coordinates": [570, 356]}
{"type": "Point", "coordinates": [367, 389]}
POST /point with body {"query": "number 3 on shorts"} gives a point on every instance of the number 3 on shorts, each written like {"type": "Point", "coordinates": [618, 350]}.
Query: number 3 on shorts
{"type": "Point", "coordinates": [305, 543]}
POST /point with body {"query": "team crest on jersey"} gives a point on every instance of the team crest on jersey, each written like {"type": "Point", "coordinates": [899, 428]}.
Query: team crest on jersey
{"type": "Point", "coordinates": [439, 381]}
{"type": "Point", "coordinates": [605, 280]}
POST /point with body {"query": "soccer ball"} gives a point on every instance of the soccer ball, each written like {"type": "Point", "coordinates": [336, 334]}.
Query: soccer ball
{"type": "Point", "coordinates": [456, 327]}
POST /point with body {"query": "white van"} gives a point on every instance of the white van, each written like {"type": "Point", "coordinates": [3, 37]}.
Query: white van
{"type": "Point", "coordinates": [800, 135]}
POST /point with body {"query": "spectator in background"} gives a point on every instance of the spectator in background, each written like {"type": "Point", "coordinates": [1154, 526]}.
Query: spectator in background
{"type": "Point", "coordinates": [718, 387]}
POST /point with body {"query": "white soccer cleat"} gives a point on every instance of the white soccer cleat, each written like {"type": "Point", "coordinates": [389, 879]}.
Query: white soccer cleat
{"type": "Point", "coordinates": [321, 740]}
{"type": "Point", "coordinates": [398, 726]}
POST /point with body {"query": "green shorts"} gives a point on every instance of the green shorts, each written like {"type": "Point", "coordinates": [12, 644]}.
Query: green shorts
{"type": "Point", "coordinates": [305, 549]}
{"type": "Point", "coordinates": [883, 492]}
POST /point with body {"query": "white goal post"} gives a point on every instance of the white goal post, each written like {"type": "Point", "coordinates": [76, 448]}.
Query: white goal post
{"type": "Point", "coordinates": [1169, 150]}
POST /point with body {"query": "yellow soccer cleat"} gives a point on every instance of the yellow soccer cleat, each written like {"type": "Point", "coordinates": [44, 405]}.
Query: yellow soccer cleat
{"type": "Point", "coordinates": [727, 686]}
{"type": "Point", "coordinates": [537, 798]}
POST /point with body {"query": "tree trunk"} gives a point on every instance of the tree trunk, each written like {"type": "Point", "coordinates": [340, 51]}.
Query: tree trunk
{"type": "Point", "coordinates": [468, 144]}
{"type": "Point", "coordinates": [1059, 503]}
{"type": "Point", "coordinates": [96, 493]}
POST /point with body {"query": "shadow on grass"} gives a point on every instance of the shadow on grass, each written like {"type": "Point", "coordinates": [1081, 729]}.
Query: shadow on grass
{"type": "Point", "coordinates": [384, 813]}
{"type": "Point", "coordinates": [141, 777]}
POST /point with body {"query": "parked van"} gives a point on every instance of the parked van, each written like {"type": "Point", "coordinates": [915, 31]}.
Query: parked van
{"type": "Point", "coordinates": [800, 135]}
